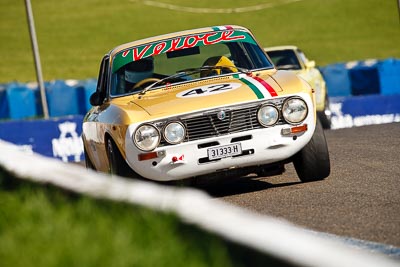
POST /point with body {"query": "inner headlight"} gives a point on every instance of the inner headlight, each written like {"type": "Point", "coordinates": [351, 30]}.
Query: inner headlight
{"type": "Point", "coordinates": [294, 110]}
{"type": "Point", "coordinates": [174, 132]}
{"type": "Point", "coordinates": [146, 137]}
{"type": "Point", "coordinates": [268, 115]}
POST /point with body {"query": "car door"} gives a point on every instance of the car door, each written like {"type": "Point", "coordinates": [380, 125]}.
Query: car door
{"type": "Point", "coordinates": [93, 127]}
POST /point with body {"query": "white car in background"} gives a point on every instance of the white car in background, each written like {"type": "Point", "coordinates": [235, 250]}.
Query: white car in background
{"type": "Point", "coordinates": [291, 58]}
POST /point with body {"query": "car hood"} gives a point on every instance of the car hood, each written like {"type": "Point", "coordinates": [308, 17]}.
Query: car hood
{"type": "Point", "coordinates": [210, 93]}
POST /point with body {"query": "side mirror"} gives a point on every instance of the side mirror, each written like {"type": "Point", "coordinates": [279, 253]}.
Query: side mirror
{"type": "Point", "coordinates": [95, 99]}
{"type": "Point", "coordinates": [310, 64]}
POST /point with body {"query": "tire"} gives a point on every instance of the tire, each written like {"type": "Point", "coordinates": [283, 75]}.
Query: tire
{"type": "Point", "coordinates": [117, 164]}
{"type": "Point", "coordinates": [325, 115]}
{"type": "Point", "coordinates": [312, 162]}
{"type": "Point", "coordinates": [88, 162]}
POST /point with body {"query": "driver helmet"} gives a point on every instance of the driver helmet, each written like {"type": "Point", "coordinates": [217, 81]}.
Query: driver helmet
{"type": "Point", "coordinates": [139, 70]}
{"type": "Point", "coordinates": [224, 62]}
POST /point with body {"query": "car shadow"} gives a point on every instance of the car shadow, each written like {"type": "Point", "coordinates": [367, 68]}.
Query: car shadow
{"type": "Point", "coordinates": [237, 186]}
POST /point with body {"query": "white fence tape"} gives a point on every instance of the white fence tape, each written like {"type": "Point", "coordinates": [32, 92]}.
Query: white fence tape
{"type": "Point", "coordinates": [269, 235]}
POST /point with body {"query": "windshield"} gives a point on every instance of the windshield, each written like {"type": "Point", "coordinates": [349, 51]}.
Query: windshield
{"type": "Point", "coordinates": [185, 59]}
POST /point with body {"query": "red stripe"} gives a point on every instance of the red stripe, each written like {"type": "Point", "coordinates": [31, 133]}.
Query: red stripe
{"type": "Point", "coordinates": [266, 85]}
{"type": "Point", "coordinates": [229, 27]}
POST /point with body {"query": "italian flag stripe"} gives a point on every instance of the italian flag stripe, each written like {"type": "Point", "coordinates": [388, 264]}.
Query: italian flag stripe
{"type": "Point", "coordinates": [253, 87]}
{"type": "Point", "coordinates": [221, 28]}
{"type": "Point", "coordinates": [258, 86]}
{"type": "Point", "coordinates": [267, 86]}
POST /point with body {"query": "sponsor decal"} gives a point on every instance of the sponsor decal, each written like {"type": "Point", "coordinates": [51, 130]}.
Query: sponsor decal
{"type": "Point", "coordinates": [178, 43]}
{"type": "Point", "coordinates": [209, 90]}
{"type": "Point", "coordinates": [68, 144]}
{"type": "Point", "coordinates": [342, 120]}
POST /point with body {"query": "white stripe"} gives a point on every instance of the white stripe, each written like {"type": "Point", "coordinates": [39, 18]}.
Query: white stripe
{"type": "Point", "coordinates": [216, 10]}
{"type": "Point", "coordinates": [259, 86]}
{"type": "Point", "coordinates": [271, 236]}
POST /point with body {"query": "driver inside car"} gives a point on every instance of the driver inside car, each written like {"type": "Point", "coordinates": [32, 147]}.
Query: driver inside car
{"type": "Point", "coordinates": [137, 71]}
{"type": "Point", "coordinates": [222, 63]}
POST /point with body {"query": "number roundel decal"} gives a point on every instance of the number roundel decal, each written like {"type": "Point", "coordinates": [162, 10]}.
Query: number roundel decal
{"type": "Point", "coordinates": [212, 89]}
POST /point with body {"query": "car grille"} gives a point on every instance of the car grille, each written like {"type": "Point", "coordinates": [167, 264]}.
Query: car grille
{"type": "Point", "coordinates": [211, 124]}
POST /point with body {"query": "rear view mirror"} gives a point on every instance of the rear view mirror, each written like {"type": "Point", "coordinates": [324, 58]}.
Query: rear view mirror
{"type": "Point", "coordinates": [95, 99]}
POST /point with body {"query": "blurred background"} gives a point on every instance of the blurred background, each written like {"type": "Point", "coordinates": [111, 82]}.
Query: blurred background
{"type": "Point", "coordinates": [74, 35]}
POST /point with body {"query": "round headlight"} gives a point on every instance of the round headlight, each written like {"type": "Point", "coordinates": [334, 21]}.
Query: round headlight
{"type": "Point", "coordinates": [174, 132]}
{"type": "Point", "coordinates": [268, 115]}
{"type": "Point", "coordinates": [294, 110]}
{"type": "Point", "coordinates": [146, 137]}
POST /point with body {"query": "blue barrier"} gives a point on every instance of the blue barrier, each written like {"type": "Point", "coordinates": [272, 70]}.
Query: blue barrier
{"type": "Point", "coordinates": [364, 110]}
{"type": "Point", "coordinates": [4, 110]}
{"type": "Point", "coordinates": [58, 138]}
{"type": "Point", "coordinates": [21, 101]}
{"type": "Point", "coordinates": [364, 78]}
{"type": "Point", "coordinates": [337, 79]}
{"type": "Point", "coordinates": [64, 99]}
{"type": "Point", "coordinates": [371, 105]}
{"type": "Point", "coordinates": [89, 87]}
{"type": "Point", "coordinates": [389, 73]}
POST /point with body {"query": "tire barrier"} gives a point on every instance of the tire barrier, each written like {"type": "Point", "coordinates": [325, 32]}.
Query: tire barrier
{"type": "Point", "coordinates": [379, 77]}
{"type": "Point", "coordinates": [69, 97]}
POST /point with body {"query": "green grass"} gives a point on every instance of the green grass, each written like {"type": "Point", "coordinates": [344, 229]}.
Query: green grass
{"type": "Point", "coordinates": [73, 35]}
{"type": "Point", "coordinates": [41, 225]}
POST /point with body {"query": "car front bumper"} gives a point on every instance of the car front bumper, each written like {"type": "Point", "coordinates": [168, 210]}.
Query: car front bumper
{"type": "Point", "coordinates": [190, 159]}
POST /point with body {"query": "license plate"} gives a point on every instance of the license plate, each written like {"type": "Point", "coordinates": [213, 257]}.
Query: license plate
{"type": "Point", "coordinates": [220, 152]}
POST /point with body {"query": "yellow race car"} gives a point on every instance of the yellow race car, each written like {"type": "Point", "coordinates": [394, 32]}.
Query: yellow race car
{"type": "Point", "coordinates": [292, 58]}
{"type": "Point", "coordinates": [202, 102]}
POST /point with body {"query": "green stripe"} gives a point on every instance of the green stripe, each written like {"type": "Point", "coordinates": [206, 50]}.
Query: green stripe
{"type": "Point", "coordinates": [252, 87]}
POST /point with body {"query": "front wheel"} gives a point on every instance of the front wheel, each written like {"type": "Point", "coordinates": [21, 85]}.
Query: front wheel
{"type": "Point", "coordinates": [325, 115]}
{"type": "Point", "coordinates": [312, 162]}
{"type": "Point", "coordinates": [88, 162]}
{"type": "Point", "coordinates": [117, 164]}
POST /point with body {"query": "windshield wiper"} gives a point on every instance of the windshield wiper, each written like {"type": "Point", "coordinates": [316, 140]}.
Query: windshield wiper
{"type": "Point", "coordinates": [224, 67]}
{"type": "Point", "coordinates": [190, 71]}
{"type": "Point", "coordinates": [176, 75]}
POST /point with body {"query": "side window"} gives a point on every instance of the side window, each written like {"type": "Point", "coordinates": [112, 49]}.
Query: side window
{"type": "Point", "coordinates": [103, 78]}
{"type": "Point", "coordinates": [302, 56]}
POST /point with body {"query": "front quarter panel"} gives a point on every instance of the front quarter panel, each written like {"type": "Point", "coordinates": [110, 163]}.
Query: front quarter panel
{"type": "Point", "coordinates": [107, 121]}
{"type": "Point", "coordinates": [291, 84]}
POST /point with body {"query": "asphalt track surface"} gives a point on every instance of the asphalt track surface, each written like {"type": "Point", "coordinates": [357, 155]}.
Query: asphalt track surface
{"type": "Point", "coordinates": [360, 199]}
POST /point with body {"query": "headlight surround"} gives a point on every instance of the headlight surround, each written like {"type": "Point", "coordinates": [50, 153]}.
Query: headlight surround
{"type": "Point", "coordinates": [294, 110]}
{"type": "Point", "coordinates": [268, 115]}
{"type": "Point", "coordinates": [146, 137]}
{"type": "Point", "coordinates": [174, 132]}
